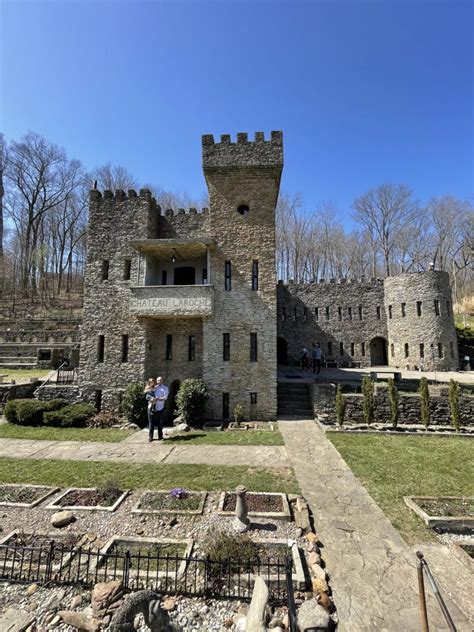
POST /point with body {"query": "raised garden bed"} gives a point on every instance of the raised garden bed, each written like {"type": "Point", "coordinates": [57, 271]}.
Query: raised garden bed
{"type": "Point", "coordinates": [444, 513]}
{"type": "Point", "coordinates": [35, 549]}
{"type": "Point", "coordinates": [163, 502]}
{"type": "Point", "coordinates": [253, 425]}
{"type": "Point", "coordinates": [464, 551]}
{"type": "Point", "coordinates": [89, 499]}
{"type": "Point", "coordinates": [259, 504]}
{"type": "Point", "coordinates": [145, 561]}
{"type": "Point", "coordinates": [17, 495]}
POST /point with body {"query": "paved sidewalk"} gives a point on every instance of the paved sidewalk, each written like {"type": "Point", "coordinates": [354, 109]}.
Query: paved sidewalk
{"type": "Point", "coordinates": [372, 569]}
{"type": "Point", "coordinates": [140, 451]}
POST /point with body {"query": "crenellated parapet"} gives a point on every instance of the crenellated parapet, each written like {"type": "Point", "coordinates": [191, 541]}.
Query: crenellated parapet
{"type": "Point", "coordinates": [120, 195]}
{"type": "Point", "coordinates": [243, 153]}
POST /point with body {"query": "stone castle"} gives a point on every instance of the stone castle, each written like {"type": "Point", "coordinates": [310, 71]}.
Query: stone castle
{"type": "Point", "coordinates": [194, 294]}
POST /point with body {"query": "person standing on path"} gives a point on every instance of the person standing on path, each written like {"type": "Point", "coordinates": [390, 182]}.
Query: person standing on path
{"type": "Point", "coordinates": [158, 403]}
{"type": "Point", "coordinates": [316, 357]}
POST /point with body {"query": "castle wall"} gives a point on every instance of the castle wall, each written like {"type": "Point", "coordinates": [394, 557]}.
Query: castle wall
{"type": "Point", "coordinates": [420, 307]}
{"type": "Point", "coordinates": [182, 224]}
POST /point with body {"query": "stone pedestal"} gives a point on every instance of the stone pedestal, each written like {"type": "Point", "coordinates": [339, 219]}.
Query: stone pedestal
{"type": "Point", "coordinates": [241, 521]}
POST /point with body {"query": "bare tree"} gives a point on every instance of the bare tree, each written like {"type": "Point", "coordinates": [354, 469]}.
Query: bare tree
{"type": "Point", "coordinates": [3, 161]}
{"type": "Point", "coordinates": [112, 177]}
{"type": "Point", "coordinates": [384, 212]}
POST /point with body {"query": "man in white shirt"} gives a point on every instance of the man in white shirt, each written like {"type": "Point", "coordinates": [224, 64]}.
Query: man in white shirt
{"type": "Point", "coordinates": [158, 404]}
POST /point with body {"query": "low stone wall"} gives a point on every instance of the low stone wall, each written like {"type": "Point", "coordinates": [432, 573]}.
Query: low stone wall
{"type": "Point", "coordinates": [16, 391]}
{"type": "Point", "coordinates": [408, 406]}
{"type": "Point", "coordinates": [69, 392]}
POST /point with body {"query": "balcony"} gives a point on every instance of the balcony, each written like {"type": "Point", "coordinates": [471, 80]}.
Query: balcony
{"type": "Point", "coordinates": [178, 301]}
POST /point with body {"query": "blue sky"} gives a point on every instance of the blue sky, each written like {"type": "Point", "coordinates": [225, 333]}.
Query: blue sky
{"type": "Point", "coordinates": [365, 92]}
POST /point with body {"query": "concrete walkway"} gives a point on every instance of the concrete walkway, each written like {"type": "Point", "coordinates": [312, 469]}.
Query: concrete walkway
{"type": "Point", "coordinates": [372, 570]}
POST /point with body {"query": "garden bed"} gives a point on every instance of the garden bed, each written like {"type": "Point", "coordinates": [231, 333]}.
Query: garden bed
{"type": "Point", "coordinates": [213, 426]}
{"type": "Point", "coordinates": [253, 425]}
{"type": "Point", "coordinates": [16, 495]}
{"type": "Point", "coordinates": [403, 429]}
{"type": "Point", "coordinates": [464, 551]}
{"type": "Point", "coordinates": [165, 502]}
{"type": "Point", "coordinates": [259, 504]}
{"type": "Point", "coordinates": [444, 513]}
{"type": "Point", "coordinates": [89, 498]}
{"type": "Point", "coordinates": [35, 549]}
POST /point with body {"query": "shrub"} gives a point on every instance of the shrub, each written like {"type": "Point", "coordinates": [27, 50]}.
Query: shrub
{"type": "Point", "coordinates": [134, 405]}
{"type": "Point", "coordinates": [55, 404]}
{"type": "Point", "coordinates": [191, 401]}
{"type": "Point", "coordinates": [393, 401]}
{"type": "Point", "coordinates": [238, 415]}
{"type": "Point", "coordinates": [109, 491]}
{"type": "Point", "coordinates": [368, 401]}
{"type": "Point", "coordinates": [340, 406]}
{"type": "Point", "coordinates": [70, 416]}
{"type": "Point", "coordinates": [10, 411]}
{"type": "Point", "coordinates": [453, 395]}
{"type": "Point", "coordinates": [30, 412]}
{"type": "Point", "coordinates": [104, 419]}
{"type": "Point", "coordinates": [223, 547]}
{"type": "Point", "coordinates": [424, 402]}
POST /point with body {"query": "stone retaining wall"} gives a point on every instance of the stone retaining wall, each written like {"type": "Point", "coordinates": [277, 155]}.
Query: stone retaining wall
{"type": "Point", "coordinates": [17, 391]}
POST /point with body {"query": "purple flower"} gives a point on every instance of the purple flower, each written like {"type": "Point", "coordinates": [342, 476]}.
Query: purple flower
{"type": "Point", "coordinates": [178, 492]}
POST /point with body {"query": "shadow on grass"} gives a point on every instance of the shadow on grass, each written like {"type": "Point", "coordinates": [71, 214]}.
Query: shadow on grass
{"type": "Point", "coordinates": [185, 438]}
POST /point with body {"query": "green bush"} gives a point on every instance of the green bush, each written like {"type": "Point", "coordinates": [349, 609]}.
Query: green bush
{"type": "Point", "coordinates": [425, 402]}
{"type": "Point", "coordinates": [393, 401]}
{"type": "Point", "coordinates": [340, 406]}
{"type": "Point", "coordinates": [368, 401]}
{"type": "Point", "coordinates": [453, 395]}
{"type": "Point", "coordinates": [70, 416]}
{"type": "Point", "coordinates": [10, 411]}
{"type": "Point", "coordinates": [224, 547]}
{"type": "Point", "coordinates": [55, 404]}
{"type": "Point", "coordinates": [134, 405]}
{"type": "Point", "coordinates": [30, 412]}
{"type": "Point", "coordinates": [191, 401]}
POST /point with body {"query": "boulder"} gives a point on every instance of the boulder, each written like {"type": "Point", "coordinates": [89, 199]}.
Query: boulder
{"type": "Point", "coordinates": [312, 615]}
{"type": "Point", "coordinates": [314, 558]}
{"type": "Point", "coordinates": [104, 595]}
{"type": "Point", "coordinates": [79, 620]}
{"type": "Point", "coordinates": [319, 585]}
{"type": "Point", "coordinates": [317, 571]}
{"type": "Point", "coordinates": [62, 519]}
{"type": "Point", "coordinates": [324, 600]}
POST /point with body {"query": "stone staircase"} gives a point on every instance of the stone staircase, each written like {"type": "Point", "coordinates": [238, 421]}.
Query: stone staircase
{"type": "Point", "coordinates": [17, 356]}
{"type": "Point", "coordinates": [294, 400]}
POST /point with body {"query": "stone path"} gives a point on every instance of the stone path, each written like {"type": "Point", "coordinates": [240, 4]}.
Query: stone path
{"type": "Point", "coordinates": [372, 569]}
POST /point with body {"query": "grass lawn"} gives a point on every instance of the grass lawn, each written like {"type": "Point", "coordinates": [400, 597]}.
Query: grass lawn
{"type": "Point", "coordinates": [393, 467]}
{"type": "Point", "coordinates": [146, 475]}
{"type": "Point", "coordinates": [23, 375]}
{"type": "Point", "coordinates": [110, 435]}
{"type": "Point", "coordinates": [229, 437]}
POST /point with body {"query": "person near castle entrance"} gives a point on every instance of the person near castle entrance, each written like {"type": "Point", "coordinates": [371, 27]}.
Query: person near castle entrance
{"type": "Point", "coordinates": [316, 357]}
{"type": "Point", "coordinates": [158, 398]}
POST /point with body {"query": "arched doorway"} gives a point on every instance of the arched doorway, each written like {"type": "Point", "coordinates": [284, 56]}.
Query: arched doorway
{"type": "Point", "coordinates": [282, 351]}
{"type": "Point", "coordinates": [171, 403]}
{"type": "Point", "coordinates": [378, 351]}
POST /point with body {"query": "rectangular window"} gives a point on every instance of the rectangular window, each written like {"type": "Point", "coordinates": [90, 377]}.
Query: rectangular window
{"type": "Point", "coordinates": [362, 349]}
{"type": "Point", "coordinates": [191, 348]}
{"type": "Point", "coordinates": [392, 349]}
{"type": "Point", "coordinates": [407, 350]}
{"type": "Point", "coordinates": [349, 313]}
{"type": "Point", "coordinates": [228, 276]}
{"type": "Point", "coordinates": [341, 348]}
{"type": "Point", "coordinates": [360, 312]}
{"type": "Point", "coordinates": [404, 310]}
{"type": "Point", "coordinates": [418, 308]}
{"type": "Point", "coordinates": [329, 348]}
{"type": "Point", "coordinates": [164, 277]}
{"type": "Point", "coordinates": [225, 405]}
{"type": "Point", "coordinates": [169, 347]}
{"type": "Point", "coordinates": [226, 347]}
{"type": "Point", "coordinates": [440, 350]}
{"type": "Point", "coordinates": [124, 347]}
{"type": "Point", "coordinates": [127, 269]}
{"type": "Point", "coordinates": [378, 312]}
{"type": "Point", "coordinates": [422, 350]}
{"type": "Point", "coordinates": [204, 276]}
{"type": "Point", "coordinates": [100, 348]}
{"type": "Point", "coordinates": [253, 398]}
{"type": "Point", "coordinates": [436, 306]}
{"type": "Point", "coordinates": [253, 347]}
{"type": "Point", "coordinates": [316, 313]}
{"type": "Point", "coordinates": [283, 314]}
{"type": "Point", "coordinates": [339, 313]}
{"type": "Point", "coordinates": [255, 275]}
{"type": "Point", "coordinates": [327, 313]}
{"type": "Point", "coordinates": [105, 269]}
{"type": "Point", "coordinates": [390, 311]}
{"type": "Point", "coordinates": [352, 348]}
{"type": "Point", "coordinates": [98, 401]}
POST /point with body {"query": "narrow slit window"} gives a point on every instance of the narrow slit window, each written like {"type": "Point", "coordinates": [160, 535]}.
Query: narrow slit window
{"type": "Point", "coordinates": [327, 313]}
{"type": "Point", "coordinates": [422, 350]}
{"type": "Point", "coordinates": [341, 348]}
{"type": "Point", "coordinates": [98, 401]}
{"type": "Point", "coordinates": [191, 348]}
{"type": "Point", "coordinates": [352, 348]}
{"type": "Point", "coordinates": [436, 306]}
{"type": "Point", "coordinates": [316, 313]}
{"type": "Point", "coordinates": [225, 405]}
{"type": "Point", "coordinates": [255, 275]}
{"type": "Point", "coordinates": [226, 347]}
{"type": "Point", "coordinates": [100, 348]}
{"type": "Point", "coordinates": [418, 308]}
{"type": "Point", "coordinates": [448, 307]}
{"type": "Point", "coordinates": [349, 313]}
{"type": "Point", "coordinates": [253, 347]}
{"type": "Point", "coordinates": [407, 350]}
{"type": "Point", "coordinates": [169, 347]}
{"type": "Point", "coordinates": [339, 313]}
{"type": "Point", "coordinates": [392, 349]}
{"type": "Point", "coordinates": [124, 348]}
{"type": "Point", "coordinates": [295, 314]}
{"type": "Point", "coordinates": [378, 312]}
{"type": "Point", "coordinates": [127, 269]}
{"type": "Point", "coordinates": [440, 350]}
{"type": "Point", "coordinates": [390, 311]}
{"type": "Point", "coordinates": [305, 313]}
{"type": "Point", "coordinates": [362, 349]}
{"type": "Point", "coordinates": [228, 276]}
{"type": "Point", "coordinates": [105, 269]}
{"type": "Point", "coordinates": [361, 314]}
{"type": "Point", "coordinates": [404, 310]}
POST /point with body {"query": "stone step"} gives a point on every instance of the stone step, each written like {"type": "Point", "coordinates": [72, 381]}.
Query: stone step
{"type": "Point", "coordinates": [4, 366]}
{"type": "Point", "coordinates": [16, 359]}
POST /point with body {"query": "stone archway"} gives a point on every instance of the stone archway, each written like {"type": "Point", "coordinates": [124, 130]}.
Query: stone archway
{"type": "Point", "coordinates": [378, 351]}
{"type": "Point", "coordinates": [282, 351]}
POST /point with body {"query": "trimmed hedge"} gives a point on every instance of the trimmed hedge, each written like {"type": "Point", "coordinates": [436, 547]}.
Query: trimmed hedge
{"type": "Point", "coordinates": [70, 416]}
{"type": "Point", "coordinates": [134, 404]}
{"type": "Point", "coordinates": [56, 412]}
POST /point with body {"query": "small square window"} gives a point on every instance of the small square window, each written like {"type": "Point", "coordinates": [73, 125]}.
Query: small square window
{"type": "Point", "coordinates": [253, 398]}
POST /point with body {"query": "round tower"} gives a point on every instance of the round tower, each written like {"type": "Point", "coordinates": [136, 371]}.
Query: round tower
{"type": "Point", "coordinates": [421, 331]}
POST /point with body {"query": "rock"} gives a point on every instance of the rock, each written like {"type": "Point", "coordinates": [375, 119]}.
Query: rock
{"type": "Point", "coordinates": [75, 602]}
{"type": "Point", "coordinates": [299, 532]}
{"type": "Point", "coordinates": [324, 600]}
{"type": "Point", "coordinates": [319, 585]}
{"type": "Point", "coordinates": [62, 519]}
{"type": "Point", "coordinates": [314, 558]}
{"type": "Point", "coordinates": [317, 571]}
{"type": "Point", "coordinates": [256, 615]}
{"type": "Point", "coordinates": [312, 615]}
{"type": "Point", "coordinates": [15, 620]}
{"type": "Point", "coordinates": [79, 620]}
{"type": "Point", "coordinates": [104, 595]}
{"type": "Point", "coordinates": [275, 623]}
{"type": "Point", "coordinates": [32, 606]}
{"type": "Point", "coordinates": [312, 546]}
{"type": "Point", "coordinates": [183, 427]}
{"type": "Point", "coordinates": [228, 623]}
{"type": "Point", "coordinates": [32, 588]}
{"type": "Point", "coordinates": [286, 621]}
{"type": "Point", "coordinates": [140, 531]}
{"type": "Point", "coordinates": [169, 604]}
{"type": "Point", "coordinates": [173, 522]}
{"type": "Point", "coordinates": [204, 609]}
{"type": "Point", "coordinates": [55, 620]}
{"type": "Point", "coordinates": [312, 537]}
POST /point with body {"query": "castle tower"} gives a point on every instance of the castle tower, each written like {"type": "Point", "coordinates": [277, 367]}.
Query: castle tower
{"type": "Point", "coordinates": [420, 321]}
{"type": "Point", "coordinates": [239, 361]}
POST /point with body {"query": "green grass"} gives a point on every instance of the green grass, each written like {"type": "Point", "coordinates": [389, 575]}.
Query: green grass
{"type": "Point", "coordinates": [459, 320]}
{"type": "Point", "coordinates": [146, 475]}
{"type": "Point", "coordinates": [393, 467]}
{"type": "Point", "coordinates": [23, 375]}
{"type": "Point", "coordinates": [231, 437]}
{"type": "Point", "coordinates": [110, 435]}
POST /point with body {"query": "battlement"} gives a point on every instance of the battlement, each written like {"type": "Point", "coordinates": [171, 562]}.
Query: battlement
{"type": "Point", "coordinates": [119, 194]}
{"type": "Point", "coordinates": [243, 153]}
{"type": "Point", "coordinates": [170, 212]}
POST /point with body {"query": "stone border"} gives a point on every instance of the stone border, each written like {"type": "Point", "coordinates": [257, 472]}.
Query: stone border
{"type": "Point", "coordinates": [285, 514]}
{"type": "Point", "coordinates": [266, 426]}
{"type": "Point", "coordinates": [56, 506]}
{"type": "Point", "coordinates": [457, 549]}
{"type": "Point", "coordinates": [65, 560]}
{"type": "Point", "coordinates": [107, 548]}
{"type": "Point", "coordinates": [447, 523]}
{"type": "Point", "coordinates": [180, 512]}
{"type": "Point", "coordinates": [466, 433]}
{"type": "Point", "coordinates": [52, 490]}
